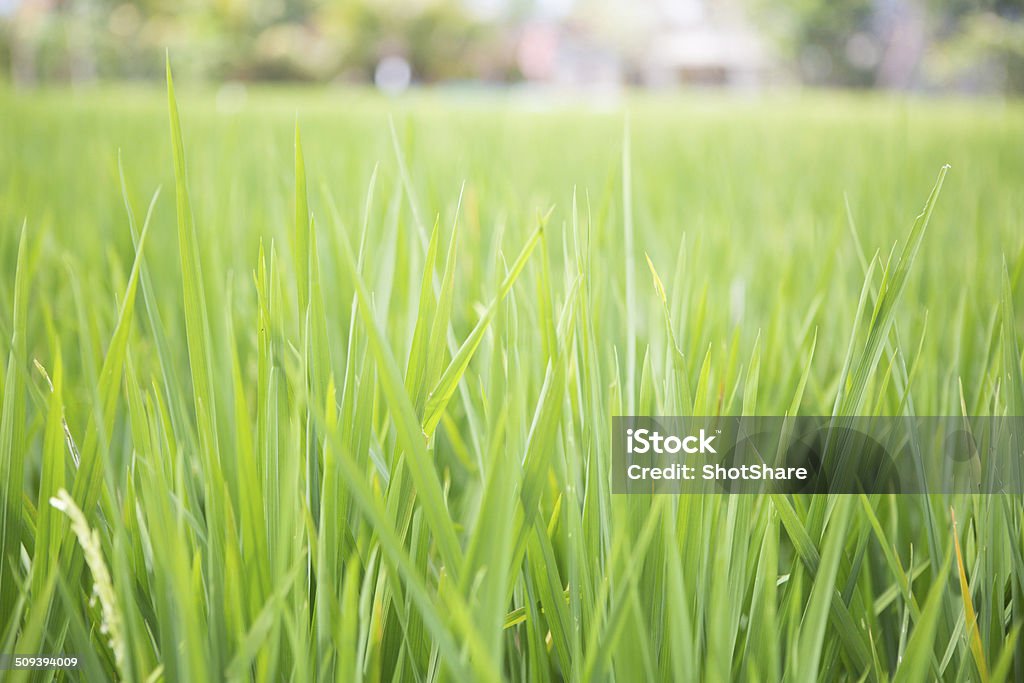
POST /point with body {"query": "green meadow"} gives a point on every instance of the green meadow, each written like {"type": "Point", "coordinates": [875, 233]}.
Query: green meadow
{"type": "Point", "coordinates": [319, 385]}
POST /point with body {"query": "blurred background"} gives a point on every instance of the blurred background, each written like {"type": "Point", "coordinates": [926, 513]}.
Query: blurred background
{"type": "Point", "coordinates": [963, 46]}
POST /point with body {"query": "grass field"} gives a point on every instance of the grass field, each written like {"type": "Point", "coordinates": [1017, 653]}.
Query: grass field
{"type": "Point", "coordinates": [342, 410]}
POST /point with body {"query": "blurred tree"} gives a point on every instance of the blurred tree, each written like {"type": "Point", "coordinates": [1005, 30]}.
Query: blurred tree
{"type": "Point", "coordinates": [438, 39]}
{"type": "Point", "coordinates": [980, 45]}
{"type": "Point", "coordinates": [245, 39]}
{"type": "Point", "coordinates": [970, 44]}
{"type": "Point", "coordinates": [820, 37]}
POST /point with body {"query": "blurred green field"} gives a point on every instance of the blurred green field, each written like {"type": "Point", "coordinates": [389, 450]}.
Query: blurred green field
{"type": "Point", "coordinates": [375, 444]}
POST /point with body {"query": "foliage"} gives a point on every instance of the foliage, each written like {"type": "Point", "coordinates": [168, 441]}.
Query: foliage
{"type": "Point", "coordinates": [984, 51]}
{"type": "Point", "coordinates": [247, 39]}
{"type": "Point", "coordinates": [337, 406]}
{"type": "Point", "coordinates": [970, 45]}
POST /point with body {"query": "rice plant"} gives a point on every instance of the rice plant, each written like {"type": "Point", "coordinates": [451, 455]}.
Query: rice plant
{"type": "Point", "coordinates": [329, 396]}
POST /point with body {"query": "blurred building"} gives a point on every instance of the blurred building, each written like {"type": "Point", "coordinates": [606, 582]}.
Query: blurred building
{"type": "Point", "coordinates": [657, 43]}
{"type": "Point", "coordinates": [706, 53]}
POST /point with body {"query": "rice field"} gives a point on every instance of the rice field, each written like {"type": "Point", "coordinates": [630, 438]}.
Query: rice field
{"type": "Point", "coordinates": [315, 385]}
